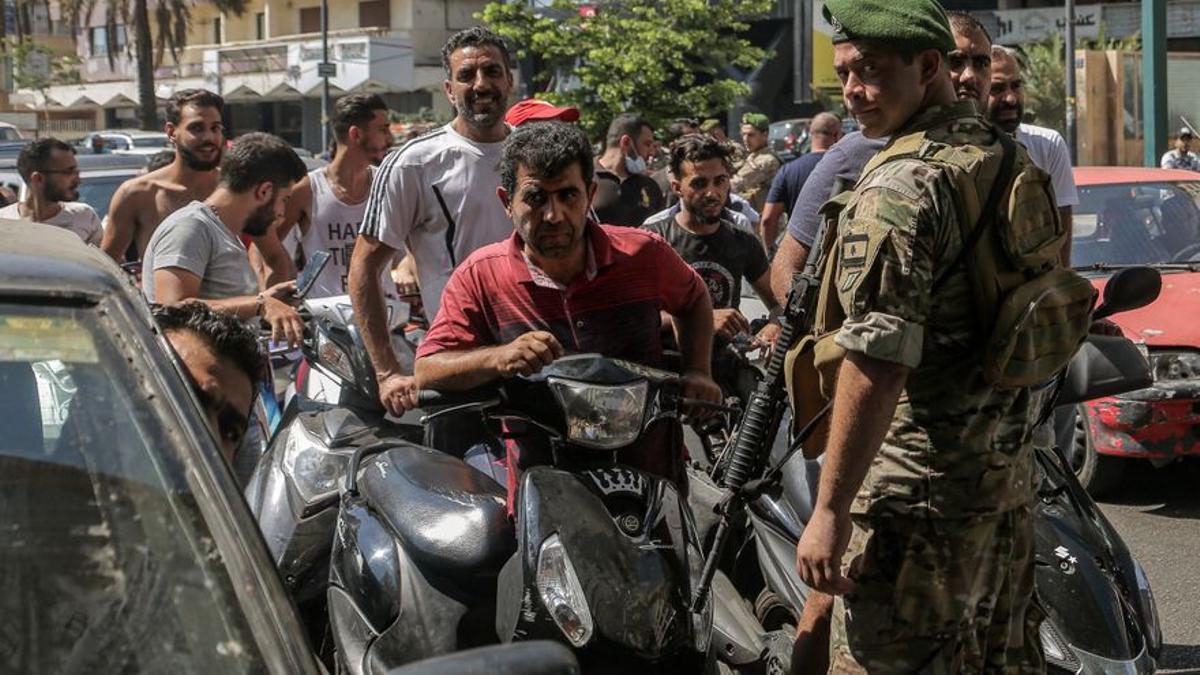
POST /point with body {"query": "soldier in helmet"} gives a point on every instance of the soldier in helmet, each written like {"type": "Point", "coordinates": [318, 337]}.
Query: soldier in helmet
{"type": "Point", "coordinates": [923, 522]}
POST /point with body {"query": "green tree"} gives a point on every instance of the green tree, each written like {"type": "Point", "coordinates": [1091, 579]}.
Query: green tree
{"type": "Point", "coordinates": [661, 58]}
{"type": "Point", "coordinates": [170, 29]}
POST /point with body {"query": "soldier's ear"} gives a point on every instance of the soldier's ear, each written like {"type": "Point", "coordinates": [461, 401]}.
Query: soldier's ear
{"type": "Point", "coordinates": [932, 64]}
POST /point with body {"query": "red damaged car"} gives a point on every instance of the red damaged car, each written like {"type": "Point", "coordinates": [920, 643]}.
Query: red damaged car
{"type": "Point", "coordinates": [1133, 217]}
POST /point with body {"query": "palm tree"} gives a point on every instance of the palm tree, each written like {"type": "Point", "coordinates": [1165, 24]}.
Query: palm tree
{"type": "Point", "coordinates": [171, 19]}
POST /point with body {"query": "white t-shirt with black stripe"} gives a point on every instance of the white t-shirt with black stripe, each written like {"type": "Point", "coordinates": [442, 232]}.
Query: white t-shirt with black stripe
{"type": "Point", "coordinates": [438, 194]}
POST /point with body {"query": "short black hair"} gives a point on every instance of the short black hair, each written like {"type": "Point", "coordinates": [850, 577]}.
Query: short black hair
{"type": "Point", "coordinates": [625, 124]}
{"type": "Point", "coordinates": [35, 156]}
{"type": "Point", "coordinates": [698, 148]}
{"type": "Point", "coordinates": [258, 157]}
{"type": "Point", "coordinates": [354, 110]}
{"type": "Point", "coordinates": [200, 98]}
{"type": "Point", "coordinates": [227, 335]}
{"type": "Point", "coordinates": [545, 149]}
{"type": "Point", "coordinates": [964, 22]}
{"type": "Point", "coordinates": [476, 36]}
{"type": "Point", "coordinates": [160, 159]}
{"type": "Point", "coordinates": [678, 128]}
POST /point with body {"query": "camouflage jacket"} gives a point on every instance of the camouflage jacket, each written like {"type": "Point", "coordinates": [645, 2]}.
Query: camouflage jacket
{"type": "Point", "coordinates": [957, 447]}
{"type": "Point", "coordinates": [753, 177]}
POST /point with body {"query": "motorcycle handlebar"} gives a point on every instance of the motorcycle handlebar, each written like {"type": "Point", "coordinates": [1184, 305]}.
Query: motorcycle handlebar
{"type": "Point", "coordinates": [433, 398]}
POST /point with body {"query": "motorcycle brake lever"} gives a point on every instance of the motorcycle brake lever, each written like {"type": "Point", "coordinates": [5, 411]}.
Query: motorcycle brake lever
{"type": "Point", "coordinates": [474, 405]}
{"type": "Point", "coordinates": [697, 403]}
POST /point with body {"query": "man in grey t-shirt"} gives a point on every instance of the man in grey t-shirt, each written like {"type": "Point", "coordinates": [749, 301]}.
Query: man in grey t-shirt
{"type": "Point", "coordinates": [196, 252]}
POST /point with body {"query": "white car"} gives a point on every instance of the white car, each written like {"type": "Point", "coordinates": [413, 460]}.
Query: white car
{"type": "Point", "coordinates": [129, 142]}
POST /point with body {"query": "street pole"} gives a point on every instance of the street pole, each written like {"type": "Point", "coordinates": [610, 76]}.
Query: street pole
{"type": "Point", "coordinates": [324, 75]}
{"type": "Point", "coordinates": [1070, 73]}
{"type": "Point", "coordinates": [1154, 80]}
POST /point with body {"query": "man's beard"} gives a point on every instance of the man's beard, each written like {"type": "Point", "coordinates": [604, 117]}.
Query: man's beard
{"type": "Point", "coordinates": [193, 162]}
{"type": "Point", "coordinates": [260, 220]}
{"type": "Point", "coordinates": [54, 194]}
{"type": "Point", "coordinates": [556, 248]}
{"type": "Point", "coordinates": [1007, 125]}
{"type": "Point", "coordinates": [699, 209]}
{"type": "Point", "coordinates": [466, 103]}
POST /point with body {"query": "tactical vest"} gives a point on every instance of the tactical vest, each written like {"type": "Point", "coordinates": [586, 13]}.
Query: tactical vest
{"type": "Point", "coordinates": [1033, 311]}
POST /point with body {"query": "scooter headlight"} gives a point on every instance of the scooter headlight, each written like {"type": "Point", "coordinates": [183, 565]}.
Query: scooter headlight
{"type": "Point", "coordinates": [561, 592]}
{"type": "Point", "coordinates": [1149, 609]}
{"type": "Point", "coordinates": [333, 358]}
{"type": "Point", "coordinates": [1058, 653]}
{"type": "Point", "coordinates": [315, 471]}
{"type": "Point", "coordinates": [602, 417]}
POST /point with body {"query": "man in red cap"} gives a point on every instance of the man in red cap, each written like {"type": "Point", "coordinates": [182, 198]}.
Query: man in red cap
{"type": "Point", "coordinates": [537, 110]}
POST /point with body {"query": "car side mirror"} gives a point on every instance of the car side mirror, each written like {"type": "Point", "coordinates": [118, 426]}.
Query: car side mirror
{"type": "Point", "coordinates": [536, 657]}
{"type": "Point", "coordinates": [1128, 289]}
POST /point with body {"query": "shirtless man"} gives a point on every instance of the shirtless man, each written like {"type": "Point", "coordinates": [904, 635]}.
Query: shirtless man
{"type": "Point", "coordinates": [197, 131]}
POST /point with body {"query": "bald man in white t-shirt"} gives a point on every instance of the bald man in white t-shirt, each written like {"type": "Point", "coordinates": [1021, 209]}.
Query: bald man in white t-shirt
{"type": "Point", "coordinates": [1047, 149]}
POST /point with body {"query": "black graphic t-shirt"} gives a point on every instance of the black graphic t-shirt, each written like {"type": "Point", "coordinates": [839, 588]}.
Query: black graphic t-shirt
{"type": "Point", "coordinates": [722, 259]}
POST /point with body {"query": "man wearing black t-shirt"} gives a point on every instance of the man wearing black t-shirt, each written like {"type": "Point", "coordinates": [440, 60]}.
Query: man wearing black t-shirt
{"type": "Point", "coordinates": [721, 252]}
{"type": "Point", "coordinates": [625, 192]}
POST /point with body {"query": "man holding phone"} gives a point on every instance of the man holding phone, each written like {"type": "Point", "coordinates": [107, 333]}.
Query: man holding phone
{"type": "Point", "coordinates": [196, 253]}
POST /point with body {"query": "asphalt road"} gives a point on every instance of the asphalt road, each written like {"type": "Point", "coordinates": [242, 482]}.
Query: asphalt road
{"type": "Point", "coordinates": [1157, 512]}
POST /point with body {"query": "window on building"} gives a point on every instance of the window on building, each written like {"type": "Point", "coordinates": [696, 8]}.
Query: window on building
{"type": "Point", "coordinates": [120, 38]}
{"type": "Point", "coordinates": [375, 14]}
{"type": "Point", "coordinates": [310, 20]}
{"type": "Point", "coordinates": [98, 41]}
{"type": "Point", "coordinates": [260, 25]}
{"type": "Point", "coordinates": [216, 40]}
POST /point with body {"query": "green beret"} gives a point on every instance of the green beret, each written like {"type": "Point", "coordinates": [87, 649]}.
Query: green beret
{"type": "Point", "coordinates": [757, 120]}
{"type": "Point", "coordinates": [709, 124]}
{"type": "Point", "coordinates": [918, 24]}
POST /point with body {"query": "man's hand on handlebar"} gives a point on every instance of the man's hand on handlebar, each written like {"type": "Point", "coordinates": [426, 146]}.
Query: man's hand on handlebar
{"type": "Point", "coordinates": [398, 393]}
{"type": "Point", "coordinates": [527, 354]}
{"type": "Point", "coordinates": [700, 386]}
{"type": "Point", "coordinates": [728, 323]}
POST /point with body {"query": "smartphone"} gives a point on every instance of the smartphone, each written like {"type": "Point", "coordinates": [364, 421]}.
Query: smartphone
{"type": "Point", "coordinates": [312, 270]}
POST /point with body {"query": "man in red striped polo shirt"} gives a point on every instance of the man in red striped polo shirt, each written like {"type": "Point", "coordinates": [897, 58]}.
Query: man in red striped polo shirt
{"type": "Point", "coordinates": [564, 284]}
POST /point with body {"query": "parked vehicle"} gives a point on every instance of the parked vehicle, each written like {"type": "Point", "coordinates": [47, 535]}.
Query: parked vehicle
{"type": "Point", "coordinates": [788, 138]}
{"type": "Point", "coordinates": [1101, 615]}
{"type": "Point", "coordinates": [166, 572]}
{"type": "Point", "coordinates": [424, 536]}
{"type": "Point", "coordinates": [99, 177]}
{"type": "Point", "coordinates": [1134, 216]}
{"type": "Point", "coordinates": [129, 142]}
{"type": "Point", "coordinates": [332, 411]}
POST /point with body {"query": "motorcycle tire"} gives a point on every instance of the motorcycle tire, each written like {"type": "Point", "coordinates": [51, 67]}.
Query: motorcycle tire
{"type": "Point", "coordinates": [1099, 474]}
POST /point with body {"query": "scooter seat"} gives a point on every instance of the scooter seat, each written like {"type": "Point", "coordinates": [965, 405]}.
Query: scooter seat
{"type": "Point", "coordinates": [451, 518]}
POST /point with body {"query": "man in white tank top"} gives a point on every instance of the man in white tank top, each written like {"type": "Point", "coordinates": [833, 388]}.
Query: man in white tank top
{"type": "Point", "coordinates": [327, 206]}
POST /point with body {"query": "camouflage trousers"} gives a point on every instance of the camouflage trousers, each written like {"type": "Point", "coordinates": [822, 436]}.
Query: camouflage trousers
{"type": "Point", "coordinates": [939, 596]}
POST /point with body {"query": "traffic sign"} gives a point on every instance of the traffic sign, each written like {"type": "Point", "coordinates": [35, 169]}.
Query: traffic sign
{"type": "Point", "coordinates": [326, 70]}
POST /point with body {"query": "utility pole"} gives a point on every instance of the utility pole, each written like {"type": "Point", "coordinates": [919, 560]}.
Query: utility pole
{"type": "Point", "coordinates": [1154, 80]}
{"type": "Point", "coordinates": [325, 72]}
{"type": "Point", "coordinates": [1070, 74]}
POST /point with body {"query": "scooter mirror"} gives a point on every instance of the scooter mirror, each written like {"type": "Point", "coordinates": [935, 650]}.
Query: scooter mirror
{"type": "Point", "coordinates": [536, 657]}
{"type": "Point", "coordinates": [1104, 366]}
{"type": "Point", "coordinates": [1128, 289]}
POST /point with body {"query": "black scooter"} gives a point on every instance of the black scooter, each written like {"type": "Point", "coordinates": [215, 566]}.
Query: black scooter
{"type": "Point", "coordinates": [1101, 616]}
{"type": "Point", "coordinates": [603, 558]}
{"type": "Point", "coordinates": [332, 411]}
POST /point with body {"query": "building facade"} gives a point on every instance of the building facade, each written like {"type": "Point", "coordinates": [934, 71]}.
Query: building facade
{"type": "Point", "coordinates": [265, 62]}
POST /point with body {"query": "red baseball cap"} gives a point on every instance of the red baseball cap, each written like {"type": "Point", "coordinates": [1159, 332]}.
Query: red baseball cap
{"type": "Point", "coordinates": [535, 110]}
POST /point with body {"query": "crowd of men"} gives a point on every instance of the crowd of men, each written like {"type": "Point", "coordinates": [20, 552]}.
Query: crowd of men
{"type": "Point", "coordinates": [524, 245]}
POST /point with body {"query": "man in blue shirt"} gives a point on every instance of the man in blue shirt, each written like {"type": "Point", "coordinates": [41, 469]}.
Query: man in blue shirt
{"type": "Point", "coordinates": [825, 130]}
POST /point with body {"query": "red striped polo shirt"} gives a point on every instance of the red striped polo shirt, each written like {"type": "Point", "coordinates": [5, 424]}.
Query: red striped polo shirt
{"type": "Point", "coordinates": [497, 295]}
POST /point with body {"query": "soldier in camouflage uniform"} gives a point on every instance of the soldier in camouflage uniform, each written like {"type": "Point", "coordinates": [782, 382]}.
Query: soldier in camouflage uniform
{"type": "Point", "coordinates": [927, 487]}
{"type": "Point", "coordinates": [753, 177]}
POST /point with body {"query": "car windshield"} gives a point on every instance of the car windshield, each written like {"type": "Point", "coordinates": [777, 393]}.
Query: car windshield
{"type": "Point", "coordinates": [106, 563]}
{"type": "Point", "coordinates": [150, 142]}
{"type": "Point", "coordinates": [1137, 224]}
{"type": "Point", "coordinates": [9, 134]}
{"type": "Point", "coordinates": [97, 191]}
